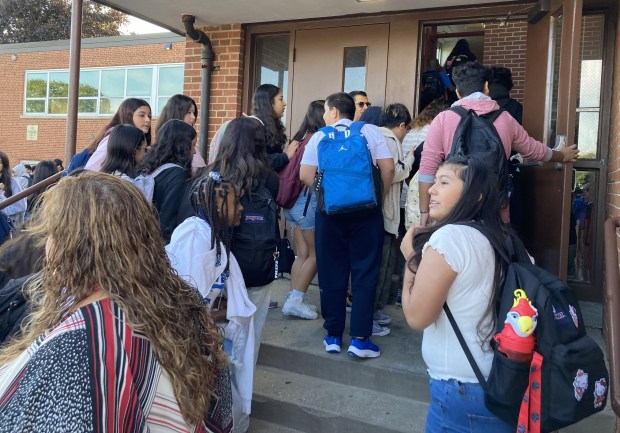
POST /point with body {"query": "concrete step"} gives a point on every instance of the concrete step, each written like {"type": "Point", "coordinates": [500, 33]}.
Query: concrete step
{"type": "Point", "coordinates": [313, 405]}
{"type": "Point", "coordinates": [333, 392]}
{"type": "Point", "coordinates": [259, 426]}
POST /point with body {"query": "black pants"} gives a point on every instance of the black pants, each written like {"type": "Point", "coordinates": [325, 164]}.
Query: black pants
{"type": "Point", "coordinates": [348, 244]}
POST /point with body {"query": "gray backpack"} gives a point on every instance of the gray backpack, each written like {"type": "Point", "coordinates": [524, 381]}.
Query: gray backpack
{"type": "Point", "coordinates": [146, 182]}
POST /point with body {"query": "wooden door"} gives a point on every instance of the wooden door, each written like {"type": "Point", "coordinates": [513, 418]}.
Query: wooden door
{"type": "Point", "coordinates": [320, 57]}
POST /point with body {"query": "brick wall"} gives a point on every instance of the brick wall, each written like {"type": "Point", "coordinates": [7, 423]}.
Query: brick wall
{"type": "Point", "coordinates": [505, 46]}
{"type": "Point", "coordinates": [52, 131]}
{"type": "Point", "coordinates": [227, 81]}
{"type": "Point", "coordinates": [613, 179]}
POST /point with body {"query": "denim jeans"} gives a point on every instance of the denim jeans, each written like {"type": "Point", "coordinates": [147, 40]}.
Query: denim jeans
{"type": "Point", "coordinates": [459, 408]}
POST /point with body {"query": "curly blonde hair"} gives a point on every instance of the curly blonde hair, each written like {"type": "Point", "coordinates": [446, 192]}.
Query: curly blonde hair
{"type": "Point", "coordinates": [102, 233]}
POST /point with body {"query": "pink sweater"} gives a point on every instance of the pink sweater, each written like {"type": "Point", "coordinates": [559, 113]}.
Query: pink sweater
{"type": "Point", "coordinates": [441, 132]}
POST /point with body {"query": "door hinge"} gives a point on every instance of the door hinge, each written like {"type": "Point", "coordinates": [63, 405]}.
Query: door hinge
{"type": "Point", "coordinates": [603, 162]}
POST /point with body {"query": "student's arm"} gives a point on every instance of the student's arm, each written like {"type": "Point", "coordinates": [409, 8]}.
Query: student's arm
{"type": "Point", "coordinates": [386, 166]}
{"type": "Point", "coordinates": [422, 302]}
{"type": "Point", "coordinates": [425, 199]}
{"type": "Point", "coordinates": [307, 173]}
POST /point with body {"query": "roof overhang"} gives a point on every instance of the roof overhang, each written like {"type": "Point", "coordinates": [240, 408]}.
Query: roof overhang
{"type": "Point", "coordinates": [167, 14]}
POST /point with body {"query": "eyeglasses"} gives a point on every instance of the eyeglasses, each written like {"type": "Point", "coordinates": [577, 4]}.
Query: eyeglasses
{"type": "Point", "coordinates": [361, 104]}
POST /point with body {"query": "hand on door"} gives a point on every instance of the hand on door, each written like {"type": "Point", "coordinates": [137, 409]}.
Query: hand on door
{"type": "Point", "coordinates": [567, 154]}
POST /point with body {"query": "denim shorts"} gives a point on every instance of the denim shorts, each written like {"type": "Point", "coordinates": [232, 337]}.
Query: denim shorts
{"type": "Point", "coordinates": [458, 407]}
{"type": "Point", "coordinates": [295, 215]}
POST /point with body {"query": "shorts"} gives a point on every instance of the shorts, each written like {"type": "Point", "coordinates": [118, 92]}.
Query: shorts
{"type": "Point", "coordinates": [295, 215]}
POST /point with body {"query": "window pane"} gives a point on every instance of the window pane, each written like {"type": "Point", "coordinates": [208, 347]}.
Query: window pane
{"type": "Point", "coordinates": [57, 106]}
{"type": "Point", "coordinates": [113, 83]}
{"type": "Point", "coordinates": [59, 84]}
{"type": "Point", "coordinates": [161, 103]}
{"type": "Point", "coordinates": [587, 134]}
{"type": "Point", "coordinates": [35, 106]}
{"type": "Point", "coordinates": [170, 81]}
{"type": "Point", "coordinates": [272, 61]}
{"type": "Point", "coordinates": [354, 69]}
{"type": "Point", "coordinates": [36, 85]}
{"type": "Point", "coordinates": [89, 83]}
{"type": "Point", "coordinates": [87, 106]}
{"type": "Point", "coordinates": [110, 105]}
{"type": "Point", "coordinates": [139, 81]}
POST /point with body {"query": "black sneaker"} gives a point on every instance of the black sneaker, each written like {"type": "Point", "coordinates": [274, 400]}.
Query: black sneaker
{"type": "Point", "coordinates": [273, 304]}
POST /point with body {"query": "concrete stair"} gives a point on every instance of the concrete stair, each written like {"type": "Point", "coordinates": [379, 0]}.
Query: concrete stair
{"type": "Point", "coordinates": [300, 388]}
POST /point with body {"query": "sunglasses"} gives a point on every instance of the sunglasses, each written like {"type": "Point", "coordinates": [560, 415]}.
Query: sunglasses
{"type": "Point", "coordinates": [361, 104]}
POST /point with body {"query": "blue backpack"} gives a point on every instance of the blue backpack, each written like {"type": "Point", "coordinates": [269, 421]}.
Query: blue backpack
{"type": "Point", "coordinates": [347, 180]}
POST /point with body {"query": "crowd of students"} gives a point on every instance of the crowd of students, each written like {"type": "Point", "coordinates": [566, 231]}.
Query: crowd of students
{"type": "Point", "coordinates": [147, 309]}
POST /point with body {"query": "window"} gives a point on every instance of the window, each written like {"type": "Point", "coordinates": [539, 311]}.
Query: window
{"type": "Point", "coordinates": [354, 69]}
{"type": "Point", "coordinates": [272, 63]}
{"type": "Point", "coordinates": [102, 90]}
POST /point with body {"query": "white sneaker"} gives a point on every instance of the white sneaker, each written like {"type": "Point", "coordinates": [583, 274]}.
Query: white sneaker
{"type": "Point", "coordinates": [311, 306]}
{"type": "Point", "coordinates": [294, 306]}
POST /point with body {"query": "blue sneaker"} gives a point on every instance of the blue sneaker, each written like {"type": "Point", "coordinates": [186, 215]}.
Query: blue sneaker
{"type": "Point", "coordinates": [363, 348]}
{"type": "Point", "coordinates": [332, 344]}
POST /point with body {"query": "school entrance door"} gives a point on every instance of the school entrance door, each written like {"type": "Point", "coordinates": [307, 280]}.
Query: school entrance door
{"type": "Point", "coordinates": [339, 59]}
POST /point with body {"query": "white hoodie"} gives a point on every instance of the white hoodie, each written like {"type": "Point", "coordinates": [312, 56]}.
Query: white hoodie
{"type": "Point", "coordinates": [191, 255]}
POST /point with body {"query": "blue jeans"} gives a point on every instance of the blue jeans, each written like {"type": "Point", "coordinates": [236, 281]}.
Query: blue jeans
{"type": "Point", "coordinates": [459, 408]}
{"type": "Point", "coordinates": [295, 215]}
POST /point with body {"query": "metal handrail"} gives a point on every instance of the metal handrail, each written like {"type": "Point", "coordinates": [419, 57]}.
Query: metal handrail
{"type": "Point", "coordinates": [34, 188]}
{"type": "Point", "coordinates": [612, 309]}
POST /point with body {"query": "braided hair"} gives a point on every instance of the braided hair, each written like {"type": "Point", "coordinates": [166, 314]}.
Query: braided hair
{"type": "Point", "coordinates": [203, 197]}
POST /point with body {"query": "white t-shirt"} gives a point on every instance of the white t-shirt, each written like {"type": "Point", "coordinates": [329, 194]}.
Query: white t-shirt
{"type": "Point", "coordinates": [376, 144]}
{"type": "Point", "coordinates": [470, 255]}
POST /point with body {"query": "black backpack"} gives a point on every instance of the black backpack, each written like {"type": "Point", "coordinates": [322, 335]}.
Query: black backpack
{"type": "Point", "coordinates": [255, 240]}
{"type": "Point", "coordinates": [575, 379]}
{"type": "Point", "coordinates": [433, 86]}
{"type": "Point", "coordinates": [13, 308]}
{"type": "Point", "coordinates": [476, 136]}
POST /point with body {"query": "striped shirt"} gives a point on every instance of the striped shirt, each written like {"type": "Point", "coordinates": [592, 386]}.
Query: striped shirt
{"type": "Point", "coordinates": [93, 373]}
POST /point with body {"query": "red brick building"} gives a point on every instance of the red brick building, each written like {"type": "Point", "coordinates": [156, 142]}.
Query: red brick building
{"type": "Point", "coordinates": [32, 133]}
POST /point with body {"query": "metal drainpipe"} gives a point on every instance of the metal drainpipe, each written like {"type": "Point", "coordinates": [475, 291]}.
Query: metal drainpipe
{"type": "Point", "coordinates": [207, 57]}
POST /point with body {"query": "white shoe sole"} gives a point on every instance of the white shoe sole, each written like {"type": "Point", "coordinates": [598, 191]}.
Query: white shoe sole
{"type": "Point", "coordinates": [331, 348]}
{"type": "Point", "coordinates": [300, 315]}
{"type": "Point", "coordinates": [383, 322]}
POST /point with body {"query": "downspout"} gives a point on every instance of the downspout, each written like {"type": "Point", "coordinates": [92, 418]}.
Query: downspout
{"type": "Point", "coordinates": [207, 56]}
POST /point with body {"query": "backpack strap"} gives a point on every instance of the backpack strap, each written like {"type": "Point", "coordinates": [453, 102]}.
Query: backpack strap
{"type": "Point", "coordinates": [468, 354]}
{"type": "Point", "coordinates": [357, 126]}
{"type": "Point", "coordinates": [493, 115]}
{"type": "Point", "coordinates": [461, 111]}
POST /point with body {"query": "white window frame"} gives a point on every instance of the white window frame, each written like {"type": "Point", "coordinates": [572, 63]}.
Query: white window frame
{"type": "Point", "coordinates": [153, 98]}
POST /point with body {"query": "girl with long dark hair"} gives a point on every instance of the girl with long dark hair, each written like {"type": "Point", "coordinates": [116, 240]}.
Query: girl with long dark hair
{"type": "Point", "coordinates": [304, 267]}
{"type": "Point", "coordinates": [44, 170]}
{"type": "Point", "coordinates": [268, 106]}
{"type": "Point", "coordinates": [200, 252]}
{"type": "Point", "coordinates": [126, 148]}
{"type": "Point", "coordinates": [132, 111]}
{"type": "Point", "coordinates": [452, 262]}
{"type": "Point", "coordinates": [9, 187]}
{"type": "Point", "coordinates": [170, 160]}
